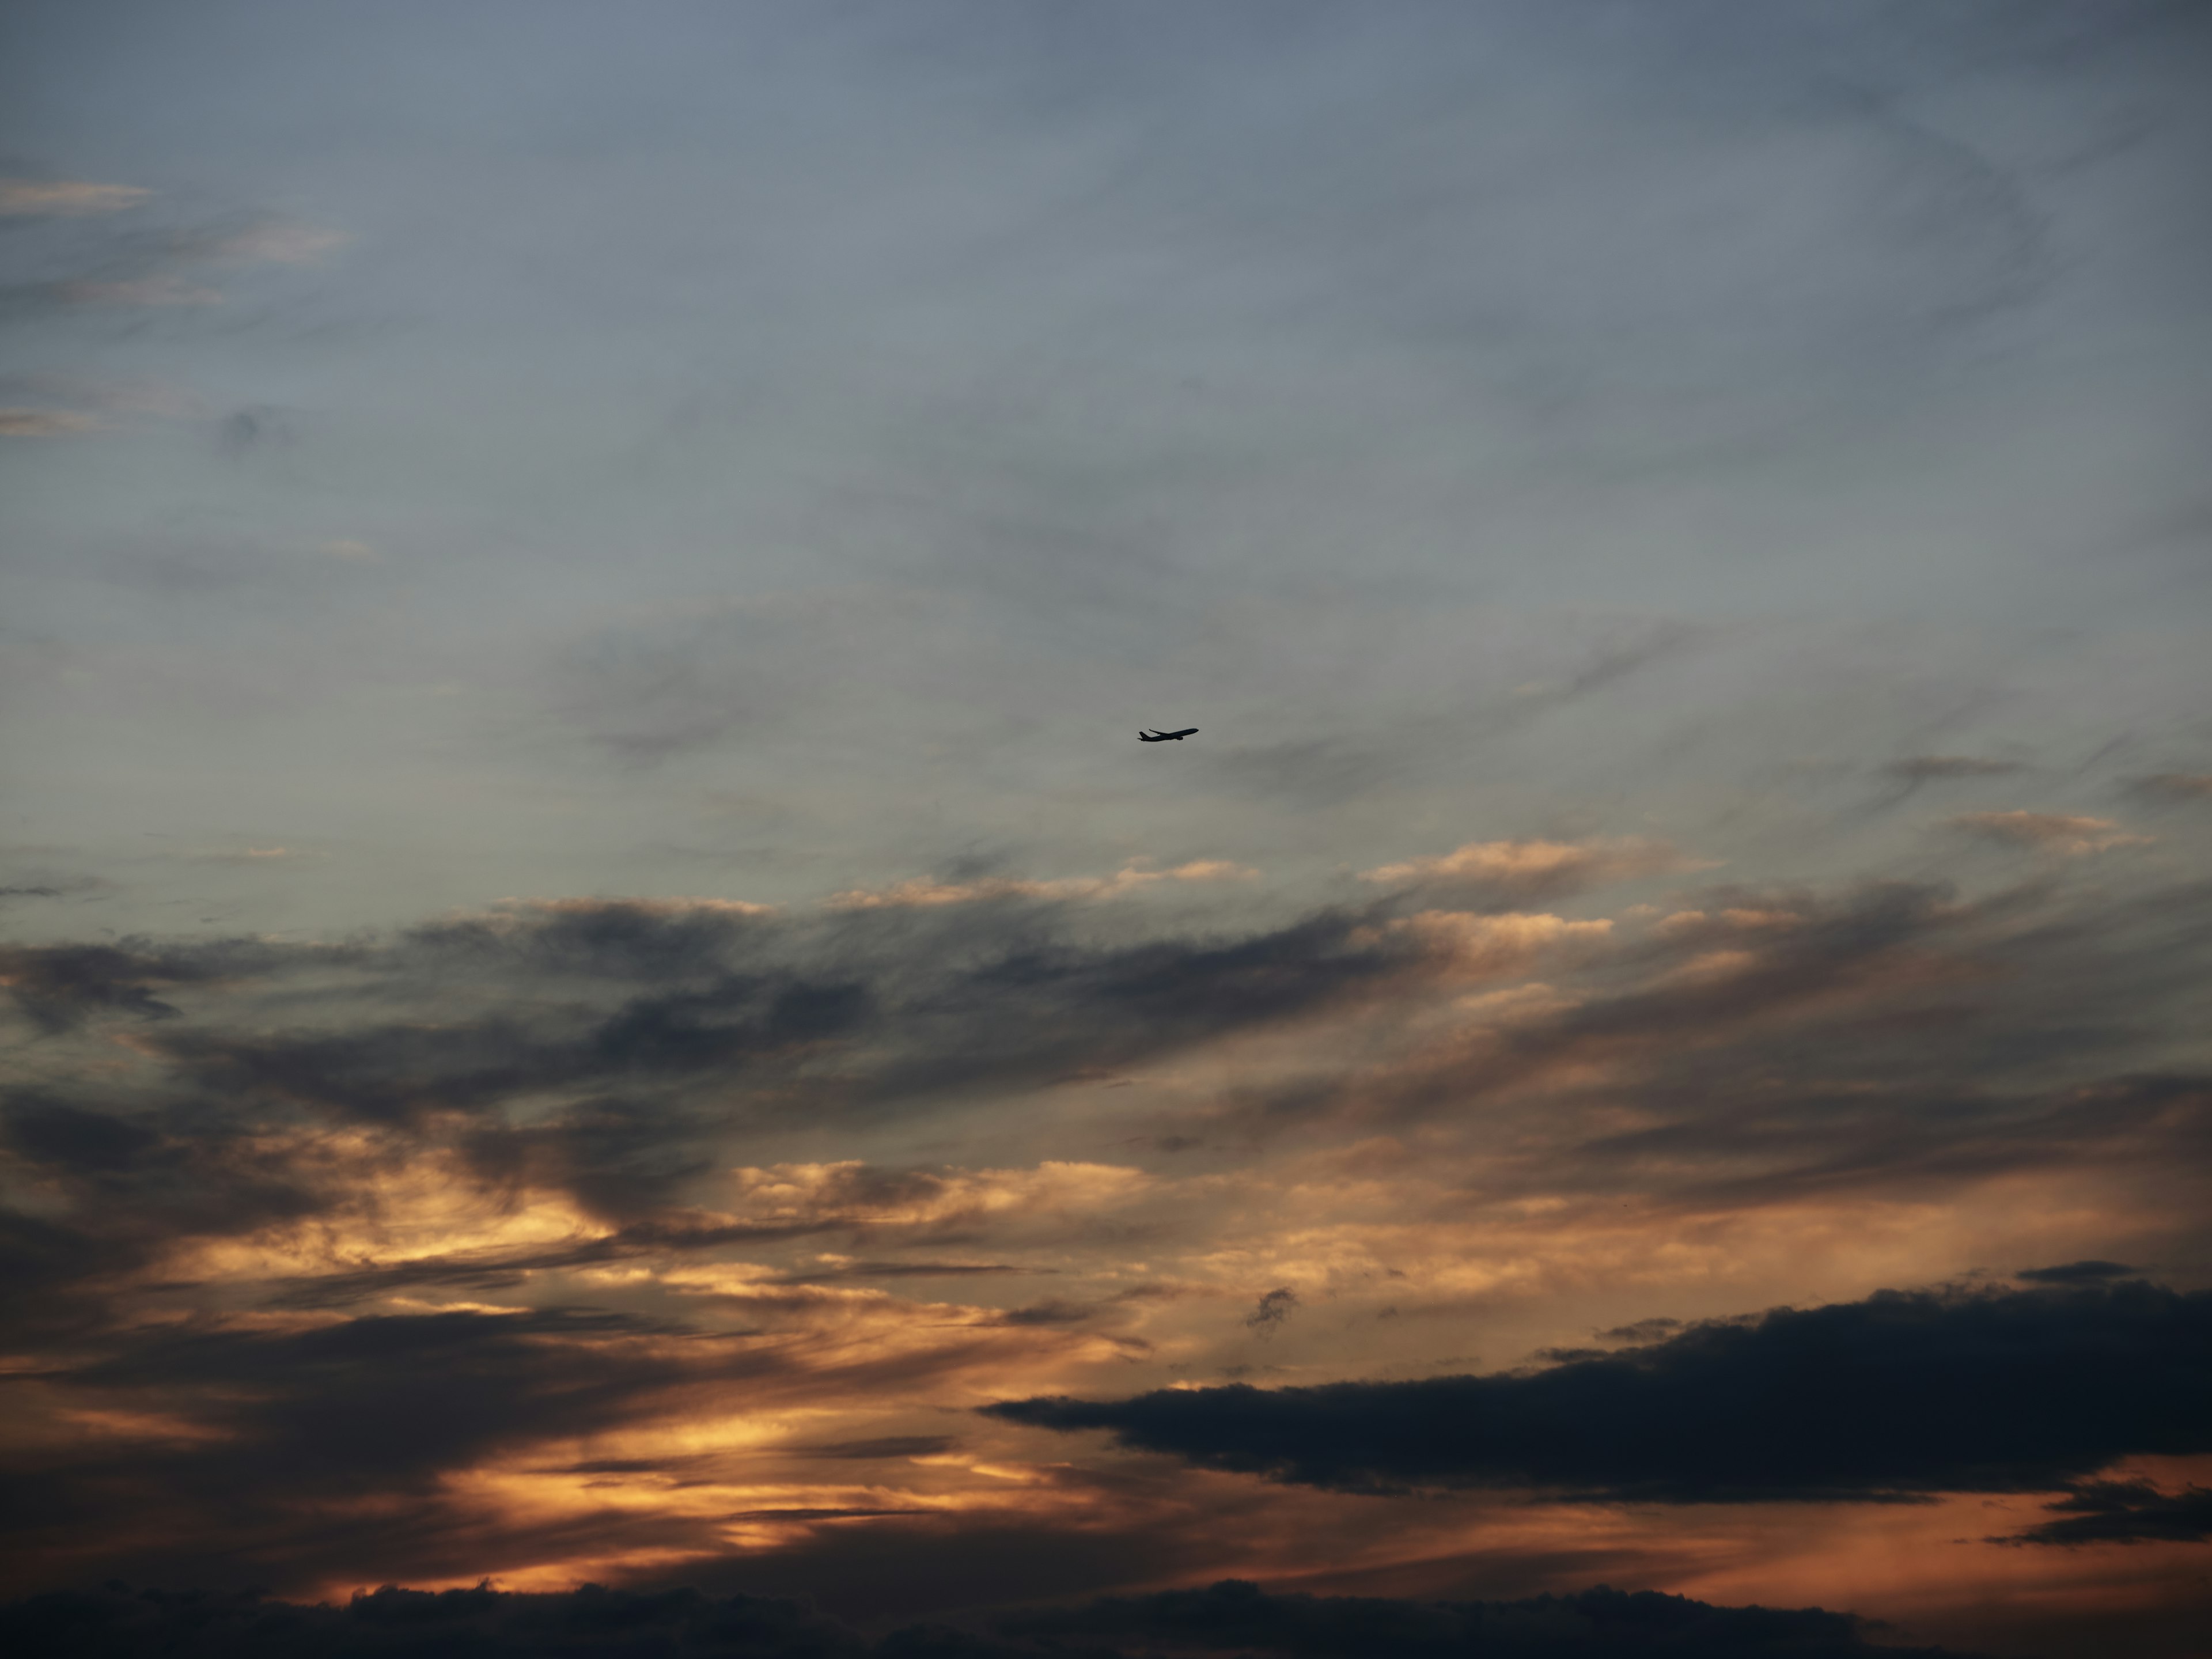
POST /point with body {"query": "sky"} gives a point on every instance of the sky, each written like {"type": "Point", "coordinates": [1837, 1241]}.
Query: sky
{"type": "Point", "coordinates": [599, 992]}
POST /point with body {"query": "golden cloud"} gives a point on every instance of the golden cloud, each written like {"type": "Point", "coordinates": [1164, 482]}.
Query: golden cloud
{"type": "Point", "coordinates": [1532, 867]}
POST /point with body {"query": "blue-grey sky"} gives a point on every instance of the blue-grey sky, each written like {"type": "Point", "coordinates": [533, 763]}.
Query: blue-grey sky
{"type": "Point", "coordinates": [1626, 490]}
{"type": "Point", "coordinates": [745, 448]}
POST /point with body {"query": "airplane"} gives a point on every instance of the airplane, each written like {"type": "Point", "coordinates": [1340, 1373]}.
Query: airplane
{"type": "Point", "coordinates": [1166, 737]}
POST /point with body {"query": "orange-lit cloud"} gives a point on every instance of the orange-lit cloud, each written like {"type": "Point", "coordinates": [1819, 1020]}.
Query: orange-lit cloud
{"type": "Point", "coordinates": [682, 1238]}
{"type": "Point", "coordinates": [1534, 868]}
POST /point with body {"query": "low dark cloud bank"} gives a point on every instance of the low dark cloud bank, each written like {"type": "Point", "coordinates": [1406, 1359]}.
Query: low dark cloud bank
{"type": "Point", "coordinates": [1903, 1394]}
{"type": "Point", "coordinates": [1231, 1616]}
{"type": "Point", "coordinates": [2125, 1512]}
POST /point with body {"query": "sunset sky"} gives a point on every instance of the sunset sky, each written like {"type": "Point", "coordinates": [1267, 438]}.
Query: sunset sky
{"type": "Point", "coordinates": [600, 991]}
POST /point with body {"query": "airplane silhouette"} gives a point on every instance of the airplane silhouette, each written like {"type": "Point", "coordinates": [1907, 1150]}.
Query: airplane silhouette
{"type": "Point", "coordinates": [1166, 737]}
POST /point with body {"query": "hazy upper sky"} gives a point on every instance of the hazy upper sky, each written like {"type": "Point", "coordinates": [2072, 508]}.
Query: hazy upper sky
{"type": "Point", "coordinates": [580, 585]}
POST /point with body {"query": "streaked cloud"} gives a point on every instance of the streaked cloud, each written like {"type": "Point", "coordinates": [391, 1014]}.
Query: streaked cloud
{"type": "Point", "coordinates": [1994, 1391]}
{"type": "Point", "coordinates": [1130, 878]}
{"type": "Point", "coordinates": [2049, 832]}
{"type": "Point", "coordinates": [2122, 1512]}
{"type": "Point", "coordinates": [66, 198]}
{"type": "Point", "coordinates": [2176, 786]}
{"type": "Point", "coordinates": [1534, 869]}
{"type": "Point", "coordinates": [46, 422]}
{"type": "Point", "coordinates": [594, 965]}
{"type": "Point", "coordinates": [275, 243]}
{"type": "Point", "coordinates": [155, 290]}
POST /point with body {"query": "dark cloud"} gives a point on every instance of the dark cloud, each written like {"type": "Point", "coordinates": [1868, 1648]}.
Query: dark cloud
{"type": "Point", "coordinates": [1788, 1043]}
{"type": "Point", "coordinates": [118, 1623]}
{"type": "Point", "coordinates": [379, 1402]}
{"type": "Point", "coordinates": [1926, 769]}
{"type": "Point", "coordinates": [887, 1446]}
{"type": "Point", "coordinates": [59, 987]}
{"type": "Point", "coordinates": [2075, 1272]}
{"type": "Point", "coordinates": [1238, 1617]}
{"type": "Point", "coordinates": [862, 1013]}
{"type": "Point", "coordinates": [2173, 787]}
{"type": "Point", "coordinates": [1275, 1308]}
{"type": "Point", "coordinates": [47, 1268]}
{"type": "Point", "coordinates": [614, 1049]}
{"type": "Point", "coordinates": [914, 1270]}
{"type": "Point", "coordinates": [320, 1448]}
{"type": "Point", "coordinates": [1644, 1330]}
{"type": "Point", "coordinates": [257, 430]}
{"type": "Point", "coordinates": [2123, 1512]}
{"type": "Point", "coordinates": [621, 1052]}
{"type": "Point", "coordinates": [174, 1171]}
{"type": "Point", "coordinates": [1905, 1393]}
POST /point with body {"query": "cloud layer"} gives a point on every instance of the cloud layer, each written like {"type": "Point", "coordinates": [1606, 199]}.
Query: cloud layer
{"type": "Point", "coordinates": [1905, 1393]}
{"type": "Point", "coordinates": [1230, 1616]}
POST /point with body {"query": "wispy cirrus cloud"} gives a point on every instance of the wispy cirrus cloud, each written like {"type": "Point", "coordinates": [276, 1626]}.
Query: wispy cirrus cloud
{"type": "Point", "coordinates": [2069, 835]}
{"type": "Point", "coordinates": [46, 422]}
{"type": "Point", "coordinates": [160, 289]}
{"type": "Point", "coordinates": [68, 199]}
{"type": "Point", "coordinates": [1130, 878]}
{"type": "Point", "coordinates": [2172, 786]}
{"type": "Point", "coordinates": [1233, 1615]}
{"type": "Point", "coordinates": [1914, 771]}
{"type": "Point", "coordinates": [1533, 869]}
{"type": "Point", "coordinates": [273, 241]}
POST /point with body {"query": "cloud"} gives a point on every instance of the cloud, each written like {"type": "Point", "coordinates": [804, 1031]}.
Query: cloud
{"type": "Point", "coordinates": [277, 242]}
{"type": "Point", "coordinates": [155, 290]}
{"type": "Point", "coordinates": [2048, 832]}
{"type": "Point", "coordinates": [45, 423]}
{"type": "Point", "coordinates": [139, 266]}
{"type": "Point", "coordinates": [1481, 946]}
{"type": "Point", "coordinates": [1275, 1308]}
{"type": "Point", "coordinates": [1233, 1615]}
{"type": "Point", "coordinates": [1903, 1394]}
{"type": "Point", "coordinates": [1602, 1623]}
{"type": "Point", "coordinates": [568, 1104]}
{"type": "Point", "coordinates": [2175, 785]}
{"type": "Point", "coordinates": [68, 404]}
{"type": "Point", "coordinates": [66, 198]}
{"type": "Point", "coordinates": [1131, 879]}
{"type": "Point", "coordinates": [2123, 1512]}
{"type": "Point", "coordinates": [1532, 869]}
{"type": "Point", "coordinates": [1923, 768]}
{"type": "Point", "coordinates": [2075, 1272]}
